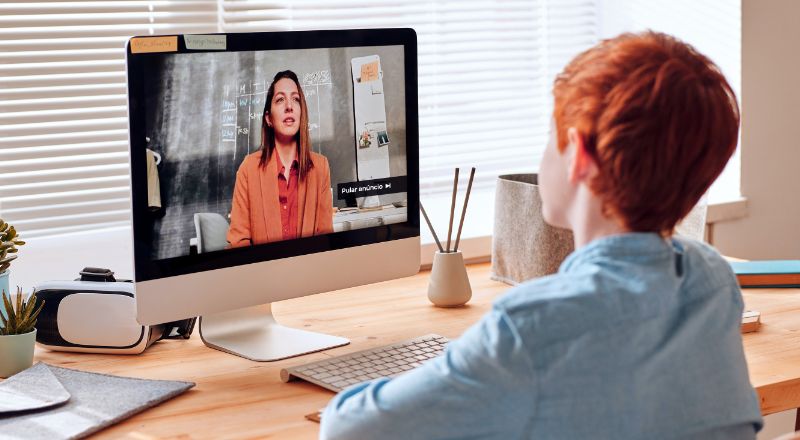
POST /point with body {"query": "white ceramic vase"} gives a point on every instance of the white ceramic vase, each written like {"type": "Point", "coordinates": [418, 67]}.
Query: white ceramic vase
{"type": "Point", "coordinates": [16, 353]}
{"type": "Point", "coordinates": [449, 283]}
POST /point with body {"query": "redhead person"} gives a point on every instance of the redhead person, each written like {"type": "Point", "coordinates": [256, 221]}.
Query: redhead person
{"type": "Point", "coordinates": [282, 191]}
{"type": "Point", "coordinates": [637, 334]}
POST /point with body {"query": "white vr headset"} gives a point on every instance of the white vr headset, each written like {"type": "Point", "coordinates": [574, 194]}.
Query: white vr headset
{"type": "Point", "coordinates": [97, 314]}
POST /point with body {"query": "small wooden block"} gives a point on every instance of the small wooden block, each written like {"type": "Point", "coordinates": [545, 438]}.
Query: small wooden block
{"type": "Point", "coordinates": [316, 416]}
{"type": "Point", "coordinates": [751, 321]}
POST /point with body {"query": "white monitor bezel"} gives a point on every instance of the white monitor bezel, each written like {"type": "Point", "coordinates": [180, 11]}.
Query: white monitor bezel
{"type": "Point", "coordinates": [193, 285]}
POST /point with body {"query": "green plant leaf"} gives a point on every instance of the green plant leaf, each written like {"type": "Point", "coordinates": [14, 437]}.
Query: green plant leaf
{"type": "Point", "coordinates": [28, 321]}
{"type": "Point", "coordinates": [35, 314]}
{"type": "Point", "coordinates": [22, 317]}
{"type": "Point", "coordinates": [19, 308]}
{"type": "Point", "coordinates": [27, 308]}
{"type": "Point", "coordinates": [6, 300]}
{"type": "Point", "coordinates": [4, 322]}
{"type": "Point", "coordinates": [10, 314]}
{"type": "Point", "coordinates": [9, 240]}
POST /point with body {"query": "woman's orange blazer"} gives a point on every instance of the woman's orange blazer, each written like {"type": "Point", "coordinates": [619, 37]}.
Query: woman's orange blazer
{"type": "Point", "coordinates": [255, 210]}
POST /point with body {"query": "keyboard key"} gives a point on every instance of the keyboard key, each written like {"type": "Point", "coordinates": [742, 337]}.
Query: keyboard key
{"type": "Point", "coordinates": [388, 361]}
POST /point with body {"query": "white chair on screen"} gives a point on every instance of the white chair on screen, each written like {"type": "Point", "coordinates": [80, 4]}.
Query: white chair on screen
{"type": "Point", "coordinates": [211, 229]}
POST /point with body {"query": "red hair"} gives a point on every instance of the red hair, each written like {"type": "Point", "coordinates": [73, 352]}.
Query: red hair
{"type": "Point", "coordinates": [658, 118]}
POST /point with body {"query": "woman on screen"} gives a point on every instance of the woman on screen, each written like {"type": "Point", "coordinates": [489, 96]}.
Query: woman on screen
{"type": "Point", "coordinates": [282, 191]}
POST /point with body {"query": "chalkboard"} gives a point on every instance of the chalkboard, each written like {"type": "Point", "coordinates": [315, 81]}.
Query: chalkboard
{"type": "Point", "coordinates": [204, 116]}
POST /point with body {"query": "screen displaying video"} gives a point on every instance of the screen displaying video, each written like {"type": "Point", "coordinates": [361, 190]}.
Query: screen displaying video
{"type": "Point", "coordinates": [253, 147]}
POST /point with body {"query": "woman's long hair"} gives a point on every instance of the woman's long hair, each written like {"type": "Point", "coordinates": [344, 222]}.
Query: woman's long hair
{"type": "Point", "coordinates": [302, 137]}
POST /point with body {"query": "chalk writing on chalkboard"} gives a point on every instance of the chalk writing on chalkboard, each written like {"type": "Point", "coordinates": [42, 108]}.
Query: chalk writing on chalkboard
{"type": "Point", "coordinates": [312, 82]}
{"type": "Point", "coordinates": [243, 106]}
{"type": "Point", "coordinates": [318, 78]}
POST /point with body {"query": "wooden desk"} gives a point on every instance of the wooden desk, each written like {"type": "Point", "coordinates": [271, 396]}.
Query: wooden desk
{"type": "Point", "coordinates": [773, 352]}
{"type": "Point", "coordinates": [235, 397]}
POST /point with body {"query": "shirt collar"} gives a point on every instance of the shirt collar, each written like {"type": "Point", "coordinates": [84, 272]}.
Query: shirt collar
{"type": "Point", "coordinates": [295, 163]}
{"type": "Point", "coordinates": [630, 246]}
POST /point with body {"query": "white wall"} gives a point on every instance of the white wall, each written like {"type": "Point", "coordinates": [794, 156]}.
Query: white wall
{"type": "Point", "coordinates": [61, 257]}
{"type": "Point", "coordinates": [770, 140]}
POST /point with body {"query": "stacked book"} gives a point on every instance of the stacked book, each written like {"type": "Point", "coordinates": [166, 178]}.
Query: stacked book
{"type": "Point", "coordinates": [767, 273]}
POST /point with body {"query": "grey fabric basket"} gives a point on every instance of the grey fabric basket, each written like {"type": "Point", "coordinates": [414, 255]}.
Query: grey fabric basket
{"type": "Point", "coordinates": [523, 245]}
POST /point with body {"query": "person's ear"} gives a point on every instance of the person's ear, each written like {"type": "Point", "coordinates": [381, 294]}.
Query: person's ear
{"type": "Point", "coordinates": [266, 119]}
{"type": "Point", "coordinates": [582, 166]}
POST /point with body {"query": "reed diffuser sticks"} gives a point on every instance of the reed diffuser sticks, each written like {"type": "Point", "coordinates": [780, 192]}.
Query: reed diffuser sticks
{"type": "Point", "coordinates": [452, 215]}
{"type": "Point", "coordinates": [464, 209]}
{"type": "Point", "coordinates": [430, 226]}
{"type": "Point", "coordinates": [452, 210]}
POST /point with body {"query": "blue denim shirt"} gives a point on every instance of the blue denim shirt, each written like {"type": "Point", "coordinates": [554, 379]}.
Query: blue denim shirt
{"type": "Point", "coordinates": [635, 337]}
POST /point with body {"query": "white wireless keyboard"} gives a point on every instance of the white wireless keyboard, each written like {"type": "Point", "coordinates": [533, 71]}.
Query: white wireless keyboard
{"type": "Point", "coordinates": [340, 372]}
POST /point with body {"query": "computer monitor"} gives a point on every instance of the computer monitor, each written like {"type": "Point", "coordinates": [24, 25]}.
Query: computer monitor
{"type": "Point", "coordinates": [269, 166]}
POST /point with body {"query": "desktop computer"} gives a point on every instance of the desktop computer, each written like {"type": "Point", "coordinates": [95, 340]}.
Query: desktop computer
{"type": "Point", "coordinates": [269, 166]}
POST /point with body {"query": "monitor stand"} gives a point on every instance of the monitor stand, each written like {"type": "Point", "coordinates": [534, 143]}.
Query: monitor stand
{"type": "Point", "coordinates": [253, 333]}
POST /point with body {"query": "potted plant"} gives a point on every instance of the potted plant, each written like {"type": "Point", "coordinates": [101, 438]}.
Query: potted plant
{"type": "Point", "coordinates": [18, 332]}
{"type": "Point", "coordinates": [9, 240]}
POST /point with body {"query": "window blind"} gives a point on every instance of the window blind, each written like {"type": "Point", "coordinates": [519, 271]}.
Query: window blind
{"type": "Point", "coordinates": [485, 67]}
{"type": "Point", "coordinates": [485, 70]}
{"type": "Point", "coordinates": [63, 121]}
{"type": "Point", "coordinates": [485, 75]}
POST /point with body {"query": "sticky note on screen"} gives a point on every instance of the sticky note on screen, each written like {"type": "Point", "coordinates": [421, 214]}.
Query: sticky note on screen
{"type": "Point", "coordinates": [204, 42]}
{"type": "Point", "coordinates": [154, 44]}
{"type": "Point", "coordinates": [369, 71]}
